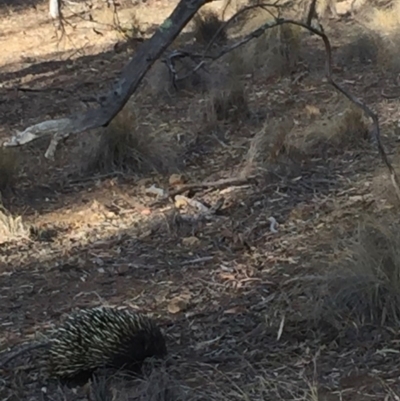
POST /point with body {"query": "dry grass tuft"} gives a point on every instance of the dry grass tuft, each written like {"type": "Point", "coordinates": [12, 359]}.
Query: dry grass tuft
{"type": "Point", "coordinates": [347, 130]}
{"type": "Point", "coordinates": [366, 290]}
{"type": "Point", "coordinates": [276, 52]}
{"type": "Point", "coordinates": [159, 385]}
{"type": "Point", "coordinates": [364, 49]}
{"type": "Point", "coordinates": [131, 29]}
{"type": "Point", "coordinates": [206, 24]}
{"type": "Point", "coordinates": [229, 103]}
{"type": "Point", "coordinates": [383, 31]}
{"type": "Point", "coordinates": [267, 146]}
{"type": "Point", "coordinates": [225, 102]}
{"type": "Point", "coordinates": [11, 228]}
{"type": "Point", "coordinates": [8, 168]}
{"type": "Point", "coordinates": [155, 385]}
{"type": "Point", "coordinates": [131, 146]}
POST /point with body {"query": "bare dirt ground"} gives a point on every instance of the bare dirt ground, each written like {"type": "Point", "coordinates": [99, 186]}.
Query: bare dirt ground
{"type": "Point", "coordinates": [236, 299]}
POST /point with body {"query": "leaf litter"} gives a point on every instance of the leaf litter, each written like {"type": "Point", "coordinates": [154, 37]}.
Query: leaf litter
{"type": "Point", "coordinates": [235, 292]}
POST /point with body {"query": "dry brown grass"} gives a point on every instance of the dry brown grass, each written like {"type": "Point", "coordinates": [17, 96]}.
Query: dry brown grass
{"type": "Point", "coordinates": [278, 143]}
{"type": "Point", "coordinates": [228, 104]}
{"type": "Point", "coordinates": [226, 101]}
{"type": "Point", "coordinates": [267, 146]}
{"type": "Point", "coordinates": [366, 288]}
{"type": "Point", "coordinates": [276, 52]}
{"type": "Point", "coordinates": [128, 144]}
{"type": "Point", "coordinates": [345, 131]}
{"type": "Point", "coordinates": [11, 228]}
{"type": "Point", "coordinates": [157, 384]}
{"type": "Point", "coordinates": [382, 35]}
{"type": "Point", "coordinates": [197, 382]}
{"type": "Point", "coordinates": [205, 26]}
{"type": "Point", "coordinates": [364, 49]}
{"type": "Point", "coordinates": [131, 29]}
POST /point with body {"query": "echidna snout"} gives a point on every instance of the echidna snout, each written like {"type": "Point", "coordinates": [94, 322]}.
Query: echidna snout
{"type": "Point", "coordinates": [144, 344]}
{"type": "Point", "coordinates": [103, 337]}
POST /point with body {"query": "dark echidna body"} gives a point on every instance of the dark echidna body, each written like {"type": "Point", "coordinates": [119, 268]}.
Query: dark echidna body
{"type": "Point", "coordinates": [103, 337]}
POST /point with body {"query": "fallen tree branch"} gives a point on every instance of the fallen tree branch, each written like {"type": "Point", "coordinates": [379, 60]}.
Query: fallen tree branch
{"type": "Point", "coordinates": [130, 79]}
{"type": "Point", "coordinates": [220, 184]}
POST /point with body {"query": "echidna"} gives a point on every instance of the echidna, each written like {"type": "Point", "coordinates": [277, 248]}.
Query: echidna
{"type": "Point", "coordinates": [102, 337]}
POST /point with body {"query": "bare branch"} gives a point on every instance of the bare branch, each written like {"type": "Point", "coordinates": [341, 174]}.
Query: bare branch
{"type": "Point", "coordinates": [243, 10]}
{"type": "Point", "coordinates": [311, 12]}
{"type": "Point", "coordinates": [131, 77]}
{"type": "Point", "coordinates": [220, 184]}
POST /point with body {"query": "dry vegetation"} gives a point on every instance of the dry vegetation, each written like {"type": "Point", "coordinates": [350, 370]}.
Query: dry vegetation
{"type": "Point", "coordinates": [378, 38]}
{"type": "Point", "coordinates": [275, 273]}
{"type": "Point", "coordinates": [366, 288]}
{"type": "Point", "coordinates": [129, 145]}
{"type": "Point", "coordinates": [275, 52]}
{"type": "Point", "coordinates": [205, 27]}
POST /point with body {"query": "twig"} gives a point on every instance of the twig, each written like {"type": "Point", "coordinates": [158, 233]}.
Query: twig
{"type": "Point", "coordinates": [178, 54]}
{"type": "Point", "coordinates": [311, 12]}
{"type": "Point", "coordinates": [41, 90]}
{"type": "Point", "coordinates": [226, 182]}
{"type": "Point", "coordinates": [197, 260]}
{"type": "Point", "coordinates": [252, 35]}
{"type": "Point", "coordinates": [243, 10]}
{"type": "Point", "coordinates": [390, 95]}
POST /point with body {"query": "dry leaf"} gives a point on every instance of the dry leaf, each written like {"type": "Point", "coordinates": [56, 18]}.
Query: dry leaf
{"type": "Point", "coordinates": [227, 276]}
{"type": "Point", "coordinates": [177, 305]}
{"type": "Point", "coordinates": [180, 201]}
{"type": "Point", "coordinates": [190, 241]}
{"type": "Point", "coordinates": [312, 111]}
{"type": "Point", "coordinates": [153, 190]}
{"type": "Point", "coordinates": [145, 234]}
{"type": "Point", "coordinates": [176, 180]}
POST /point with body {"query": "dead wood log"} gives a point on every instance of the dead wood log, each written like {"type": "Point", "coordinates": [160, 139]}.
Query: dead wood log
{"type": "Point", "coordinates": [131, 76]}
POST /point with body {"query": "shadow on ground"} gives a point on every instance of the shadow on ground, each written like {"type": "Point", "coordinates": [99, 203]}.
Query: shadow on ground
{"type": "Point", "coordinates": [19, 5]}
